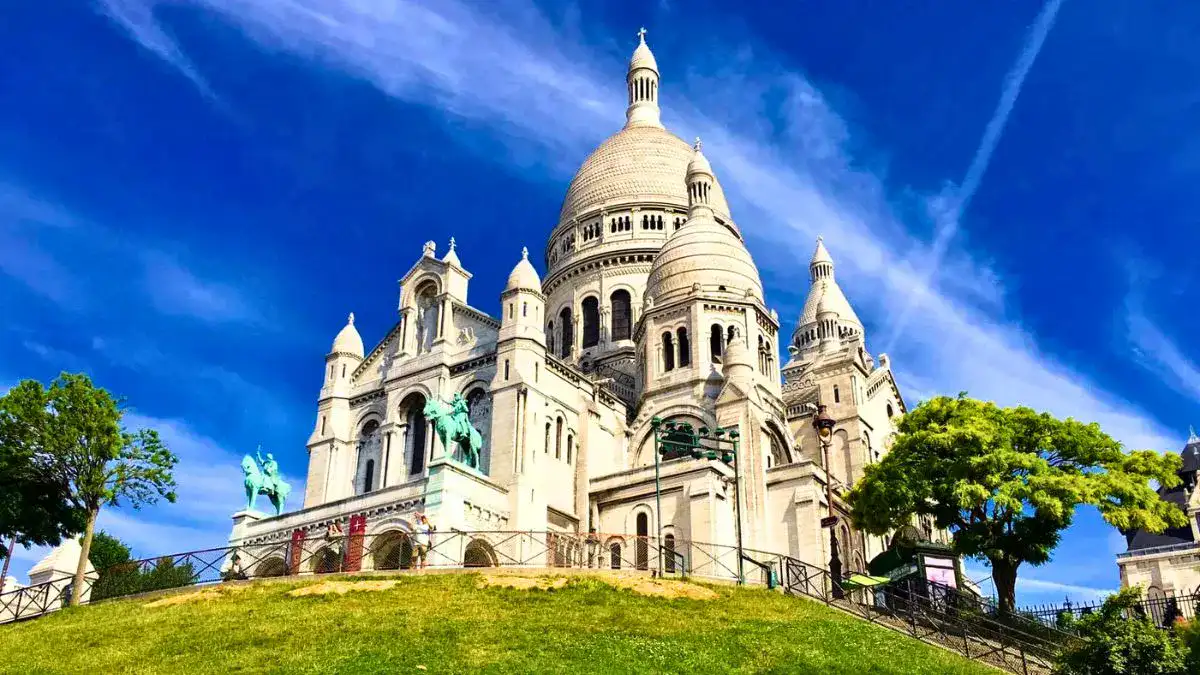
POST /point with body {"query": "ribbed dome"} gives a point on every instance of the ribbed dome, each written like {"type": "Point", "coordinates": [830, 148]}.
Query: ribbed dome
{"type": "Point", "coordinates": [707, 253]}
{"type": "Point", "coordinates": [636, 164]}
{"type": "Point", "coordinates": [643, 58]}
{"type": "Point", "coordinates": [524, 276]}
{"type": "Point", "coordinates": [348, 341]}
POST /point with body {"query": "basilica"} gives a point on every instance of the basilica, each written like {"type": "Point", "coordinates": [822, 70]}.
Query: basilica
{"type": "Point", "coordinates": [649, 306]}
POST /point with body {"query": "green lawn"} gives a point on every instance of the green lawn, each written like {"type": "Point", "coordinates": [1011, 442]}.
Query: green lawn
{"type": "Point", "coordinates": [446, 624]}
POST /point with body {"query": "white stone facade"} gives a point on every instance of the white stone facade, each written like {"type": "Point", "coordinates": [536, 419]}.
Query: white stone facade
{"type": "Point", "coordinates": [651, 306]}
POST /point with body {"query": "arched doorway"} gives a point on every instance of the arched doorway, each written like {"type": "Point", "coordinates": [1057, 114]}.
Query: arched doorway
{"type": "Point", "coordinates": [271, 567]}
{"type": "Point", "coordinates": [479, 553]}
{"type": "Point", "coordinates": [326, 561]}
{"type": "Point", "coordinates": [642, 545]}
{"type": "Point", "coordinates": [392, 551]}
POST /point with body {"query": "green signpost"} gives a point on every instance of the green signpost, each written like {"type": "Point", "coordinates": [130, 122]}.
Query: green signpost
{"type": "Point", "coordinates": [680, 439]}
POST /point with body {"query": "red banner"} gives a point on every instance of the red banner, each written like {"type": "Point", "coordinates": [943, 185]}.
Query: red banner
{"type": "Point", "coordinates": [297, 552]}
{"type": "Point", "coordinates": [354, 553]}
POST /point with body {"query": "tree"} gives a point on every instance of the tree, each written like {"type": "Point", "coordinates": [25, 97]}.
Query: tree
{"type": "Point", "coordinates": [35, 509]}
{"type": "Point", "coordinates": [116, 574]}
{"type": "Point", "coordinates": [108, 551]}
{"type": "Point", "coordinates": [1116, 641]}
{"type": "Point", "coordinates": [104, 464]}
{"type": "Point", "coordinates": [1006, 482]}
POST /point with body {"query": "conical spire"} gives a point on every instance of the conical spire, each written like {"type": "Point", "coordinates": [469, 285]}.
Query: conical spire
{"type": "Point", "coordinates": [348, 341]}
{"type": "Point", "coordinates": [642, 83]}
{"type": "Point", "coordinates": [821, 265]}
{"type": "Point", "coordinates": [451, 256]}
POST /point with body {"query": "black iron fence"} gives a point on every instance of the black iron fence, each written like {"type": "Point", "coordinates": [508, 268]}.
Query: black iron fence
{"type": "Point", "coordinates": [1164, 609]}
{"type": "Point", "coordinates": [937, 614]}
{"type": "Point", "coordinates": [927, 611]}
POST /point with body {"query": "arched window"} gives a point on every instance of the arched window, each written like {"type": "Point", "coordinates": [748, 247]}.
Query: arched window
{"type": "Point", "coordinates": [550, 338]}
{"type": "Point", "coordinates": [641, 552]}
{"type": "Point", "coordinates": [668, 352]}
{"type": "Point", "coordinates": [837, 397]}
{"type": "Point", "coordinates": [591, 322]}
{"type": "Point", "coordinates": [558, 439]}
{"type": "Point", "coordinates": [570, 443]}
{"type": "Point", "coordinates": [566, 336]}
{"type": "Point", "coordinates": [622, 315]}
{"type": "Point", "coordinates": [716, 343]}
{"type": "Point", "coordinates": [732, 333]}
{"type": "Point", "coordinates": [889, 410]}
{"type": "Point", "coordinates": [685, 348]}
{"type": "Point", "coordinates": [614, 556]}
{"type": "Point", "coordinates": [547, 438]}
{"type": "Point", "coordinates": [415, 436]}
{"type": "Point", "coordinates": [669, 552]}
{"type": "Point", "coordinates": [369, 451]}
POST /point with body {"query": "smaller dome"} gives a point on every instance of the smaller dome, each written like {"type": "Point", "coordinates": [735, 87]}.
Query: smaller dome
{"type": "Point", "coordinates": [348, 341]}
{"type": "Point", "coordinates": [699, 163]}
{"type": "Point", "coordinates": [737, 365]}
{"type": "Point", "coordinates": [642, 56]}
{"type": "Point", "coordinates": [524, 276]}
{"type": "Point", "coordinates": [707, 253]}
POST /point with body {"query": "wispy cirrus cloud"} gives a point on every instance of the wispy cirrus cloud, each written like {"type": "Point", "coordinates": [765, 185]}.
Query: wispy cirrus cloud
{"type": "Point", "coordinates": [947, 208]}
{"type": "Point", "coordinates": [83, 266]}
{"type": "Point", "coordinates": [510, 69]}
{"type": "Point", "coordinates": [1159, 353]}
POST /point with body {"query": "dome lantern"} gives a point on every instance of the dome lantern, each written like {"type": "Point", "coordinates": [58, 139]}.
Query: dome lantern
{"type": "Point", "coordinates": [642, 84]}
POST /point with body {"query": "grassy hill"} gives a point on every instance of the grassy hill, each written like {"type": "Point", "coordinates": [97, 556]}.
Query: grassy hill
{"type": "Point", "coordinates": [518, 622]}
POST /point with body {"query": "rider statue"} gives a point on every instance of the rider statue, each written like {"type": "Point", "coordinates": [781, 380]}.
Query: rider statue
{"type": "Point", "coordinates": [270, 467]}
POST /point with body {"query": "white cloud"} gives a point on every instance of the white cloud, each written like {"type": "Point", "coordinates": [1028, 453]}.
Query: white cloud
{"type": "Point", "coordinates": [1158, 353]}
{"type": "Point", "coordinates": [555, 98]}
{"type": "Point", "coordinates": [176, 291]}
{"type": "Point", "coordinates": [947, 208]}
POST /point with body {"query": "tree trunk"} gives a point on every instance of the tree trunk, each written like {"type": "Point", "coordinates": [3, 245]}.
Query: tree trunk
{"type": "Point", "coordinates": [12, 545]}
{"type": "Point", "coordinates": [81, 568]}
{"type": "Point", "coordinates": [1004, 574]}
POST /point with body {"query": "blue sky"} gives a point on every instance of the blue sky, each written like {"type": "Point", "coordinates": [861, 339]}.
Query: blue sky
{"type": "Point", "coordinates": [194, 194]}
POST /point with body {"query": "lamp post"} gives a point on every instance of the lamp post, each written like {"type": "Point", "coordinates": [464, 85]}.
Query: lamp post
{"type": "Point", "coordinates": [720, 443]}
{"type": "Point", "coordinates": [824, 425]}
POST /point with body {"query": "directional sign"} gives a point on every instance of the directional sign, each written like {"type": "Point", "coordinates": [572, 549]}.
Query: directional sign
{"type": "Point", "coordinates": [829, 521]}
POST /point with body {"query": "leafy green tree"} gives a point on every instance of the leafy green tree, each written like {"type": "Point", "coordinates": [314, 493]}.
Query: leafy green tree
{"type": "Point", "coordinates": [104, 464]}
{"type": "Point", "coordinates": [34, 502]}
{"type": "Point", "coordinates": [1117, 641]}
{"type": "Point", "coordinates": [108, 551]}
{"type": "Point", "coordinates": [1006, 482]}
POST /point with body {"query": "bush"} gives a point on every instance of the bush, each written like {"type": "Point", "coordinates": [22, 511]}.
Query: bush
{"type": "Point", "coordinates": [1189, 636]}
{"type": "Point", "coordinates": [1118, 641]}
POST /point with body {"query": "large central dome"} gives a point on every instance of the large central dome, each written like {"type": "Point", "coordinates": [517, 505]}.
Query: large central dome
{"type": "Point", "coordinates": [637, 164]}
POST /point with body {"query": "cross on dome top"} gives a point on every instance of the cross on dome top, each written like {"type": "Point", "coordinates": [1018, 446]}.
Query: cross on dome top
{"type": "Point", "coordinates": [642, 34]}
{"type": "Point", "coordinates": [451, 243]}
{"type": "Point", "coordinates": [524, 253]}
{"type": "Point", "coordinates": [697, 144]}
{"type": "Point", "coordinates": [1192, 437]}
{"type": "Point", "coordinates": [350, 321]}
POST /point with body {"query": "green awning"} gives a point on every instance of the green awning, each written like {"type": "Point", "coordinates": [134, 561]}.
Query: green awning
{"type": "Point", "coordinates": [863, 581]}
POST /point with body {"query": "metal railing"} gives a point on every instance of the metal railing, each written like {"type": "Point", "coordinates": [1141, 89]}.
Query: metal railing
{"type": "Point", "coordinates": [1154, 550]}
{"type": "Point", "coordinates": [1162, 609]}
{"type": "Point", "coordinates": [932, 613]}
{"type": "Point", "coordinates": [923, 610]}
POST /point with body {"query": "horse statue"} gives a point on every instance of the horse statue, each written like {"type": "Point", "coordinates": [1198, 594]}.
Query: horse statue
{"type": "Point", "coordinates": [453, 426]}
{"type": "Point", "coordinates": [264, 481]}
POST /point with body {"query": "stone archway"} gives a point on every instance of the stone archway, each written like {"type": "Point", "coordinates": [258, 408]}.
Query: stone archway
{"type": "Point", "coordinates": [392, 551]}
{"type": "Point", "coordinates": [326, 561]}
{"type": "Point", "coordinates": [271, 567]}
{"type": "Point", "coordinates": [479, 553]}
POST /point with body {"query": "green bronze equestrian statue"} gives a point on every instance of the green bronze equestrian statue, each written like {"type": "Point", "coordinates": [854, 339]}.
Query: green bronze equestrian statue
{"type": "Point", "coordinates": [453, 426]}
{"type": "Point", "coordinates": [265, 481]}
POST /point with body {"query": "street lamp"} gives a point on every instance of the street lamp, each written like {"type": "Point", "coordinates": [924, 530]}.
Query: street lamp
{"type": "Point", "coordinates": [683, 438]}
{"type": "Point", "coordinates": [824, 425]}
